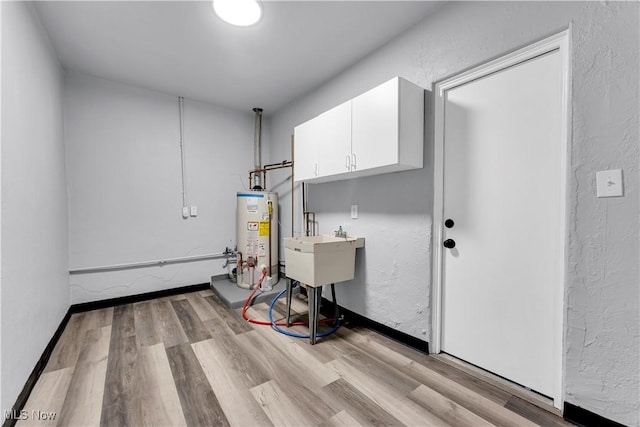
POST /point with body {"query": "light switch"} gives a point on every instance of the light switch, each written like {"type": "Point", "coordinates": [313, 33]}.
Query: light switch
{"type": "Point", "coordinates": [194, 211]}
{"type": "Point", "coordinates": [609, 183]}
{"type": "Point", "coordinates": [354, 211]}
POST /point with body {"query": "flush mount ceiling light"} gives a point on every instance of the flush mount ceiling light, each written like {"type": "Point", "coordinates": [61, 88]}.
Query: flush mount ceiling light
{"type": "Point", "coordinates": [238, 12]}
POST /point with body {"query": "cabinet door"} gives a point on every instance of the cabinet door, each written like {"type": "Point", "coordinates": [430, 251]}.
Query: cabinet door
{"type": "Point", "coordinates": [305, 151]}
{"type": "Point", "coordinates": [334, 129]}
{"type": "Point", "coordinates": [375, 121]}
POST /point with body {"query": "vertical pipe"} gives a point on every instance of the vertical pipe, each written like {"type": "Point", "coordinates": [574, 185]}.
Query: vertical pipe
{"type": "Point", "coordinates": [182, 152]}
{"type": "Point", "coordinates": [289, 295]}
{"type": "Point", "coordinates": [270, 205]}
{"type": "Point", "coordinates": [257, 140]}
{"type": "Point", "coordinates": [292, 186]}
{"type": "Point", "coordinates": [304, 209]}
{"type": "Point", "coordinates": [312, 296]}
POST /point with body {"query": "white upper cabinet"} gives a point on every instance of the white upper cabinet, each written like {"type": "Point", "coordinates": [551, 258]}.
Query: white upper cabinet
{"type": "Point", "coordinates": [322, 144]}
{"type": "Point", "coordinates": [335, 140]}
{"type": "Point", "coordinates": [306, 141]}
{"type": "Point", "coordinates": [379, 131]}
{"type": "Point", "coordinates": [375, 127]}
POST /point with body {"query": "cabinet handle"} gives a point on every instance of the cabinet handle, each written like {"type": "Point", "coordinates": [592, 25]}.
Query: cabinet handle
{"type": "Point", "coordinates": [347, 162]}
{"type": "Point", "coordinates": [315, 169]}
{"type": "Point", "coordinates": [353, 162]}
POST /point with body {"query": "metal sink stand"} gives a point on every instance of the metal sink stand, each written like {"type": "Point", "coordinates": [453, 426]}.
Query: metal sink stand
{"type": "Point", "coordinates": [314, 294]}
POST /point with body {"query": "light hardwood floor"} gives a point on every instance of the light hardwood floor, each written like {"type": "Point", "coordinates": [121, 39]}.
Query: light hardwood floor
{"type": "Point", "coordinates": [189, 360]}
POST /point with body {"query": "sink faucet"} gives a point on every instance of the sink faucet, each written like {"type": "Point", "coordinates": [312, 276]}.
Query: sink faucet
{"type": "Point", "coordinates": [340, 232]}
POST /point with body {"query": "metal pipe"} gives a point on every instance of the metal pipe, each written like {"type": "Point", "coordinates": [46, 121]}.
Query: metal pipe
{"type": "Point", "coordinates": [270, 204]}
{"type": "Point", "coordinates": [264, 170]}
{"type": "Point", "coordinates": [182, 152]}
{"type": "Point", "coordinates": [239, 270]}
{"type": "Point", "coordinates": [293, 187]}
{"type": "Point", "coordinates": [310, 223]}
{"type": "Point", "coordinates": [257, 142]}
{"type": "Point", "coordinates": [142, 264]}
{"type": "Point", "coordinates": [304, 203]}
{"type": "Point", "coordinates": [284, 164]}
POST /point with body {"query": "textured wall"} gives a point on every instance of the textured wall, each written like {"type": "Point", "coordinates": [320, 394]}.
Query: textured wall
{"type": "Point", "coordinates": [125, 196]}
{"type": "Point", "coordinates": [603, 336]}
{"type": "Point", "coordinates": [35, 283]}
{"type": "Point", "coordinates": [602, 349]}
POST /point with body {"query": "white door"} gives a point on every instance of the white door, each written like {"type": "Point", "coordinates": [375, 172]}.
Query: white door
{"type": "Point", "coordinates": [503, 190]}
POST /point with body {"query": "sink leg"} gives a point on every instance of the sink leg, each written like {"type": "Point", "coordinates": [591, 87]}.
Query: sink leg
{"type": "Point", "coordinates": [335, 303]}
{"type": "Point", "coordinates": [315, 296]}
{"type": "Point", "coordinates": [289, 296]}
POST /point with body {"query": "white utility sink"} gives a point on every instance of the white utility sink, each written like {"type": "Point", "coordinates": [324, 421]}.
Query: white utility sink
{"type": "Point", "coordinates": [321, 260]}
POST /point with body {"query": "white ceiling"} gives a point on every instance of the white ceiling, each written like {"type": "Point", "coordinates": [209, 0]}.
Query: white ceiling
{"type": "Point", "coordinates": [182, 48]}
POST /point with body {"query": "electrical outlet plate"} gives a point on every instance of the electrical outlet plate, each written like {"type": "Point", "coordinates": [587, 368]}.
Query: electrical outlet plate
{"type": "Point", "coordinates": [609, 183]}
{"type": "Point", "coordinates": [194, 211]}
{"type": "Point", "coordinates": [354, 211]}
{"type": "Point", "coordinates": [185, 212]}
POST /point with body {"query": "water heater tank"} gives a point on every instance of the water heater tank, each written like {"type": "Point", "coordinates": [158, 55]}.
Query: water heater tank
{"type": "Point", "coordinates": [257, 233]}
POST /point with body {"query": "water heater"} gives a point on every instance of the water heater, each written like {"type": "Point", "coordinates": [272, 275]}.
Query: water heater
{"type": "Point", "coordinates": [257, 234]}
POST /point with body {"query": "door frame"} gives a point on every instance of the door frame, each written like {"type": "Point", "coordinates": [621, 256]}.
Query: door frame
{"type": "Point", "coordinates": [560, 42]}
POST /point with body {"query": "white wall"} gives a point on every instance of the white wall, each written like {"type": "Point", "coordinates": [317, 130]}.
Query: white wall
{"type": "Point", "coordinates": [35, 282]}
{"type": "Point", "coordinates": [602, 351]}
{"type": "Point", "coordinates": [125, 196]}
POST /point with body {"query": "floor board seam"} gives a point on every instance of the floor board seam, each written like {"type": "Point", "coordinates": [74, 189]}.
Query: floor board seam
{"type": "Point", "coordinates": [212, 358]}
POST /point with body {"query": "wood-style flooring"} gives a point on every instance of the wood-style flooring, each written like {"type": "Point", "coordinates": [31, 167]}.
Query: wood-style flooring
{"type": "Point", "coordinates": [189, 360]}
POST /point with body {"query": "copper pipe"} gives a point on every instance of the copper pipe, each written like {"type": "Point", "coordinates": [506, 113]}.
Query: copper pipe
{"type": "Point", "coordinates": [264, 170]}
{"type": "Point", "coordinates": [273, 167]}
{"type": "Point", "coordinates": [270, 204]}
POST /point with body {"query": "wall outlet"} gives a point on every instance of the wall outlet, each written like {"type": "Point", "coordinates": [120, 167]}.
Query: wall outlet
{"type": "Point", "coordinates": [194, 211]}
{"type": "Point", "coordinates": [354, 211]}
{"type": "Point", "coordinates": [185, 212]}
{"type": "Point", "coordinates": [609, 183]}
